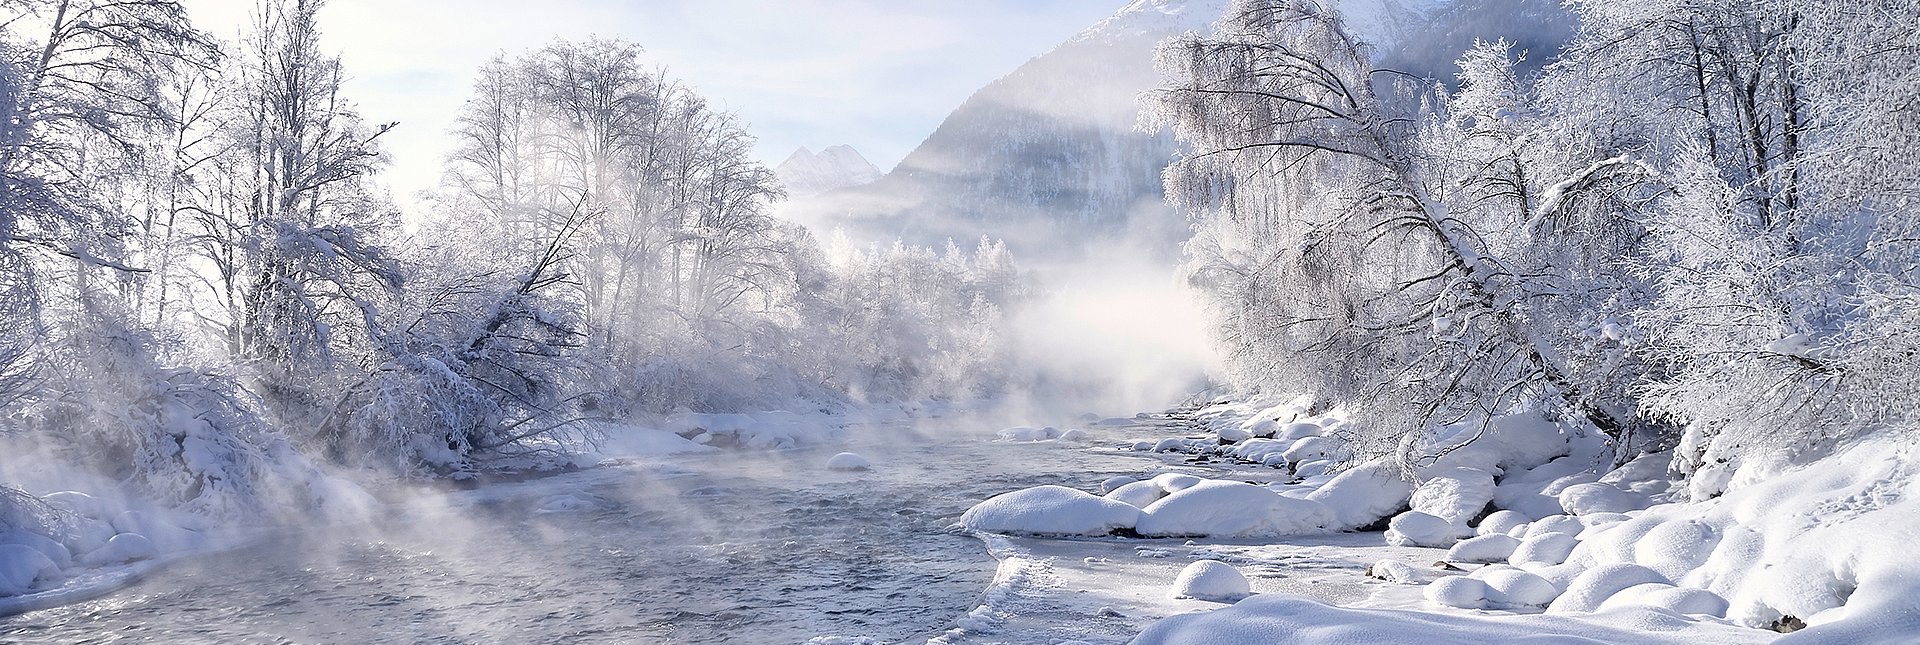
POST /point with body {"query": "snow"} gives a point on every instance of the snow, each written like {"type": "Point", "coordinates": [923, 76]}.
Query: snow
{"type": "Point", "coordinates": [1496, 547]}
{"type": "Point", "coordinates": [1114, 482]}
{"type": "Point", "coordinates": [1587, 499]}
{"type": "Point", "coordinates": [621, 441]}
{"type": "Point", "coordinates": [1393, 571]}
{"type": "Point", "coordinates": [1679, 600]}
{"type": "Point", "coordinates": [122, 548]}
{"type": "Point", "coordinates": [1363, 495]}
{"type": "Point", "coordinates": [1175, 482]}
{"type": "Point", "coordinates": [1513, 588]}
{"type": "Point", "coordinates": [1216, 508]}
{"type": "Point", "coordinates": [1457, 495]}
{"type": "Point", "coordinates": [1263, 618]}
{"type": "Point", "coordinates": [1544, 549]}
{"type": "Point", "coordinates": [1590, 589]}
{"type": "Point", "coordinates": [1414, 528]}
{"type": "Point", "coordinates": [1049, 510]}
{"type": "Point", "coordinates": [1501, 522]}
{"type": "Point", "coordinates": [1459, 591]}
{"type": "Point", "coordinates": [21, 566]}
{"type": "Point", "coordinates": [848, 461]}
{"type": "Point", "coordinates": [1138, 494]}
{"type": "Point", "coordinates": [1210, 580]}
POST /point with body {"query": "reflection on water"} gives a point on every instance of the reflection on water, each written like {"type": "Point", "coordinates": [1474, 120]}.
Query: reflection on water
{"type": "Point", "coordinates": [762, 548]}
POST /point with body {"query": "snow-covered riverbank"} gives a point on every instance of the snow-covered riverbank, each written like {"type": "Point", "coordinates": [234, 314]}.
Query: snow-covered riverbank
{"type": "Point", "coordinates": [1517, 529]}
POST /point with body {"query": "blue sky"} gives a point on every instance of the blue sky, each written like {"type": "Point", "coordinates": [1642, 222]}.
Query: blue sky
{"type": "Point", "coordinates": [876, 74]}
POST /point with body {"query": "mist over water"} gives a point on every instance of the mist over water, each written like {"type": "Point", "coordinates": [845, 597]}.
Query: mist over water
{"type": "Point", "coordinates": [720, 548]}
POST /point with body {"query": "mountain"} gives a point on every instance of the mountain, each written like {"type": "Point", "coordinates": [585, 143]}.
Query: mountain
{"type": "Point", "coordinates": [805, 173]}
{"type": "Point", "coordinates": [1049, 157]}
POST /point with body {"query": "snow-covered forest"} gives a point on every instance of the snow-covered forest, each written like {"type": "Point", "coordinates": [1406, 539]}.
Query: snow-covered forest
{"type": "Point", "coordinates": [1611, 317]}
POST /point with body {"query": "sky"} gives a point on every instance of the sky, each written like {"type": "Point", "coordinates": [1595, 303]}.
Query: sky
{"type": "Point", "coordinates": [875, 74]}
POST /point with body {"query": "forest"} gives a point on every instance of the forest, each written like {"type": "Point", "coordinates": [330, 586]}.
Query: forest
{"type": "Point", "coordinates": [207, 295]}
{"type": "Point", "coordinates": [1693, 228]}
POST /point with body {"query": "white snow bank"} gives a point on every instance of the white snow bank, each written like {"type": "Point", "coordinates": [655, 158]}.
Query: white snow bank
{"type": "Point", "coordinates": [1486, 548]}
{"type": "Point", "coordinates": [618, 441]}
{"type": "Point", "coordinates": [1210, 580]}
{"type": "Point", "coordinates": [1589, 590]}
{"type": "Point", "coordinates": [22, 566]}
{"type": "Point", "coordinates": [1414, 528]}
{"type": "Point", "coordinates": [1138, 494]}
{"type": "Point", "coordinates": [1363, 495]}
{"type": "Point", "coordinates": [848, 461]}
{"type": "Point", "coordinates": [1217, 508]}
{"type": "Point", "coordinates": [122, 548]}
{"type": "Point", "coordinates": [1050, 510]}
{"type": "Point", "coordinates": [1457, 495]}
{"type": "Point", "coordinates": [1299, 621]}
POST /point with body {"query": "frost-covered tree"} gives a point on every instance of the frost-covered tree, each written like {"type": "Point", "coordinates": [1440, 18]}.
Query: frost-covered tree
{"type": "Point", "coordinates": [1347, 259]}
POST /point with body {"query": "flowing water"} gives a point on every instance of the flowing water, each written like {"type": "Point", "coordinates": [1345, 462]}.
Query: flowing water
{"type": "Point", "coordinates": [734, 547]}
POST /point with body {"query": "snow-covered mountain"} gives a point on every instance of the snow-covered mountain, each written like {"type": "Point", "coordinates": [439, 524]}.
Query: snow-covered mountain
{"type": "Point", "coordinates": [1049, 157]}
{"type": "Point", "coordinates": [805, 173]}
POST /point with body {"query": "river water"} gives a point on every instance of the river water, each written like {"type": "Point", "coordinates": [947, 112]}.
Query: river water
{"type": "Point", "coordinates": [734, 548]}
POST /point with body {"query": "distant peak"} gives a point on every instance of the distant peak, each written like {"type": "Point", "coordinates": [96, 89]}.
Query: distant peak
{"type": "Point", "coordinates": [839, 166]}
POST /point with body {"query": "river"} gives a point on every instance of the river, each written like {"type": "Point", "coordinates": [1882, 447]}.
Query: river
{"type": "Point", "coordinates": [735, 547]}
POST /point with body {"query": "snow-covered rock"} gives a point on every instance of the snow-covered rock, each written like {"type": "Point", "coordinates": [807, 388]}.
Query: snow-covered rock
{"type": "Point", "coordinates": [125, 547]}
{"type": "Point", "coordinates": [1457, 495]}
{"type": "Point", "coordinates": [1587, 499]}
{"type": "Point", "coordinates": [1210, 580]}
{"type": "Point", "coordinates": [1589, 590]}
{"type": "Point", "coordinates": [1414, 528]}
{"type": "Point", "coordinates": [1458, 591]}
{"type": "Point", "coordinates": [1496, 547]}
{"type": "Point", "coordinates": [1501, 522]}
{"type": "Point", "coordinates": [1138, 494]}
{"type": "Point", "coordinates": [1393, 571]}
{"type": "Point", "coordinates": [1175, 482]}
{"type": "Point", "coordinates": [1278, 618]}
{"type": "Point", "coordinates": [21, 566]}
{"type": "Point", "coordinates": [1363, 495]}
{"type": "Point", "coordinates": [61, 556]}
{"type": "Point", "coordinates": [1513, 588]}
{"type": "Point", "coordinates": [848, 461]}
{"type": "Point", "coordinates": [1050, 510]}
{"type": "Point", "coordinates": [1216, 508]}
{"type": "Point", "coordinates": [1545, 549]}
{"type": "Point", "coordinates": [1679, 600]}
{"type": "Point", "coordinates": [1114, 482]}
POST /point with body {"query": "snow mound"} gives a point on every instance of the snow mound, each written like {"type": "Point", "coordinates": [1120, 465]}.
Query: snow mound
{"type": "Point", "coordinates": [1513, 588]}
{"type": "Point", "coordinates": [21, 566]}
{"type": "Point", "coordinates": [1211, 580]}
{"type": "Point", "coordinates": [125, 547]}
{"type": "Point", "coordinates": [1501, 522]}
{"type": "Point", "coordinates": [1175, 482]}
{"type": "Point", "coordinates": [1589, 590]}
{"type": "Point", "coordinates": [1138, 494]}
{"type": "Point", "coordinates": [848, 461]}
{"type": "Point", "coordinates": [1458, 591]}
{"type": "Point", "coordinates": [1456, 495]}
{"type": "Point", "coordinates": [1587, 499]}
{"type": "Point", "coordinates": [1112, 483]}
{"type": "Point", "coordinates": [1679, 600]}
{"type": "Point", "coordinates": [1216, 508]}
{"type": "Point", "coordinates": [1545, 550]}
{"type": "Point", "coordinates": [1414, 528]}
{"type": "Point", "coordinates": [1300, 621]}
{"type": "Point", "coordinates": [1050, 510]}
{"type": "Point", "coordinates": [1486, 548]}
{"type": "Point", "coordinates": [1393, 571]}
{"type": "Point", "coordinates": [1363, 495]}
